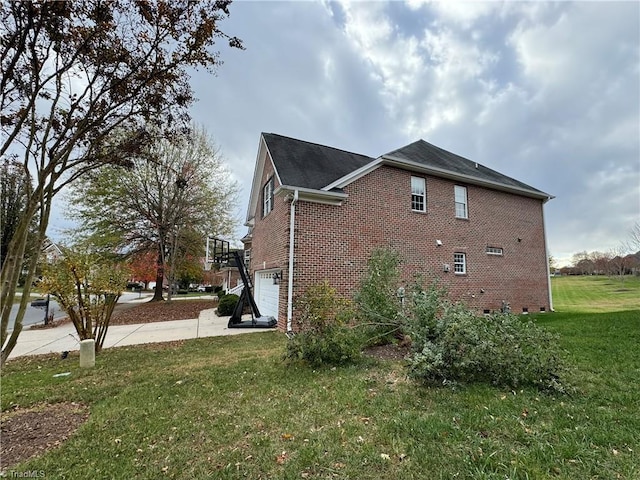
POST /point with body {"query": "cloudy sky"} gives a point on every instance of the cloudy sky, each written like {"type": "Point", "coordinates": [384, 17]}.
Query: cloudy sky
{"type": "Point", "coordinates": [548, 93]}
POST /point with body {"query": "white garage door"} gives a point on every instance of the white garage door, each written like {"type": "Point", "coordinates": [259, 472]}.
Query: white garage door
{"type": "Point", "coordinates": [266, 293]}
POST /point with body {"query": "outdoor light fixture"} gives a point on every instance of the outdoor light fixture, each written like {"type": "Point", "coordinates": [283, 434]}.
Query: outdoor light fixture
{"type": "Point", "coordinates": [439, 243]}
{"type": "Point", "coordinates": [277, 276]}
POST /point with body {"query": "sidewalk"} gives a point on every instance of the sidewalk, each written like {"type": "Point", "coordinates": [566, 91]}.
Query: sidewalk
{"type": "Point", "coordinates": [65, 338]}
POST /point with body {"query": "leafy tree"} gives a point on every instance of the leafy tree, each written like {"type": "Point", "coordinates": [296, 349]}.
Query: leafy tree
{"type": "Point", "coordinates": [168, 206]}
{"type": "Point", "coordinates": [143, 267]}
{"type": "Point", "coordinates": [75, 72]}
{"type": "Point", "coordinates": [15, 184]}
{"type": "Point", "coordinates": [87, 287]}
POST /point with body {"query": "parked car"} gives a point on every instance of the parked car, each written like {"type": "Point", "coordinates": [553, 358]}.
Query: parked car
{"type": "Point", "coordinates": [39, 302]}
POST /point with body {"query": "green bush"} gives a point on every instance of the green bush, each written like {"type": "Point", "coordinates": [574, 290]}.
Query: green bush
{"type": "Point", "coordinates": [324, 337]}
{"type": "Point", "coordinates": [377, 299]}
{"type": "Point", "coordinates": [452, 344]}
{"type": "Point", "coordinates": [226, 304]}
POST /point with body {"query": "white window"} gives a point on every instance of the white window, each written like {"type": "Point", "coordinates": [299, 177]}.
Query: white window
{"type": "Point", "coordinates": [460, 263]}
{"type": "Point", "coordinates": [461, 202]}
{"type": "Point", "coordinates": [418, 194]}
{"type": "Point", "coordinates": [267, 197]}
{"type": "Point", "coordinates": [494, 251]}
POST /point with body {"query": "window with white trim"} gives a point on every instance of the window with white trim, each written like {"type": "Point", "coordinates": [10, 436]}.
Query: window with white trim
{"type": "Point", "coordinates": [267, 197]}
{"type": "Point", "coordinates": [459, 263]}
{"type": "Point", "coordinates": [494, 251]}
{"type": "Point", "coordinates": [418, 194]}
{"type": "Point", "coordinates": [460, 194]}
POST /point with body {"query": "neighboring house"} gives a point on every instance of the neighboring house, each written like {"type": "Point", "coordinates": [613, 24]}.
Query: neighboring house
{"type": "Point", "coordinates": [50, 251]}
{"type": "Point", "coordinates": [319, 212]}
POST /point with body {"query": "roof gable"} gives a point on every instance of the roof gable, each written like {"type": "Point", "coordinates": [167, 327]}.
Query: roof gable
{"type": "Point", "coordinates": [310, 165]}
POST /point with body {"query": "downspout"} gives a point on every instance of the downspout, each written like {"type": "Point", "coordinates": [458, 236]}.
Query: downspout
{"type": "Point", "coordinates": [546, 251]}
{"type": "Point", "coordinates": [292, 223]}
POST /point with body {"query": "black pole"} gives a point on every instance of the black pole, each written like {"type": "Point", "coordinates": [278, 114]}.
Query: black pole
{"type": "Point", "coordinates": [46, 311]}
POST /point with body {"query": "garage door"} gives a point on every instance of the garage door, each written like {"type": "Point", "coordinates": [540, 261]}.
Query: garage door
{"type": "Point", "coordinates": [266, 294]}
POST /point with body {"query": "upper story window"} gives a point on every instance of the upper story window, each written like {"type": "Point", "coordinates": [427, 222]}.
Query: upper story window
{"type": "Point", "coordinates": [462, 210]}
{"type": "Point", "coordinates": [418, 194]}
{"type": "Point", "coordinates": [459, 263]}
{"type": "Point", "coordinates": [267, 197]}
{"type": "Point", "coordinates": [494, 251]}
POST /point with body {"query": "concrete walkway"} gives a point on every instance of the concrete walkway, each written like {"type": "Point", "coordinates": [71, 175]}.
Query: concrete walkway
{"type": "Point", "coordinates": [65, 338]}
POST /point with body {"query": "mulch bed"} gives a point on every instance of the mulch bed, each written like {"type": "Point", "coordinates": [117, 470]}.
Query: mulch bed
{"type": "Point", "coordinates": [28, 433]}
{"type": "Point", "coordinates": [131, 313]}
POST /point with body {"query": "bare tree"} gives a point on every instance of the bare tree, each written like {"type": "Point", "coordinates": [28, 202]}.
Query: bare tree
{"type": "Point", "coordinates": [633, 241]}
{"type": "Point", "coordinates": [75, 72]}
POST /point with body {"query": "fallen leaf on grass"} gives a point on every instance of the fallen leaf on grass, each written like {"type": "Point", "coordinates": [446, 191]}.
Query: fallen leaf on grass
{"type": "Point", "coordinates": [287, 436]}
{"type": "Point", "coordinates": [282, 458]}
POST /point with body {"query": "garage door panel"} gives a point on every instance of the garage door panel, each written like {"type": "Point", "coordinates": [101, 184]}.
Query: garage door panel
{"type": "Point", "coordinates": [267, 293]}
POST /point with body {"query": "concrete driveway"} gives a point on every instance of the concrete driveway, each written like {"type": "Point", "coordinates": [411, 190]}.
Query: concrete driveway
{"type": "Point", "coordinates": [65, 338]}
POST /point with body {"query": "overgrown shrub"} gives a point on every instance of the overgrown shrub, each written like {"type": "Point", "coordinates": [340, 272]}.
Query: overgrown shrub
{"type": "Point", "coordinates": [324, 336]}
{"type": "Point", "coordinates": [226, 304]}
{"type": "Point", "coordinates": [379, 306]}
{"type": "Point", "coordinates": [452, 344]}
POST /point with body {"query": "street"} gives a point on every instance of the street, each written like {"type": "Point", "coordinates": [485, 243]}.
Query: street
{"type": "Point", "coordinates": [33, 315]}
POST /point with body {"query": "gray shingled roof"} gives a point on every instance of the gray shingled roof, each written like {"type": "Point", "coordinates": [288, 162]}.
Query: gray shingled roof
{"type": "Point", "coordinates": [435, 157]}
{"type": "Point", "coordinates": [309, 165]}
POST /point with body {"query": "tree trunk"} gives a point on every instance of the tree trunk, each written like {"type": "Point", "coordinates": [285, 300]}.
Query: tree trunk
{"type": "Point", "coordinates": [157, 295]}
{"type": "Point", "coordinates": [26, 293]}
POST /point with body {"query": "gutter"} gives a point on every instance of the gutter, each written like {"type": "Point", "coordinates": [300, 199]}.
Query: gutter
{"type": "Point", "coordinates": [292, 223]}
{"type": "Point", "coordinates": [311, 195]}
{"type": "Point", "coordinates": [546, 251]}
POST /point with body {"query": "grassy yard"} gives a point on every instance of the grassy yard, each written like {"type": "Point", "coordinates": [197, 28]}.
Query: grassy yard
{"type": "Point", "coordinates": [228, 408]}
{"type": "Point", "coordinates": [595, 294]}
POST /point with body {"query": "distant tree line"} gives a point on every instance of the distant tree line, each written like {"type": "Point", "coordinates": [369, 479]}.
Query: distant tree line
{"type": "Point", "coordinates": [603, 263]}
{"type": "Point", "coordinates": [620, 260]}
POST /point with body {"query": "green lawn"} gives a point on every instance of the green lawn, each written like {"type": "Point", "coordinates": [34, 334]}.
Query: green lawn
{"type": "Point", "coordinates": [594, 294]}
{"type": "Point", "coordinates": [228, 408]}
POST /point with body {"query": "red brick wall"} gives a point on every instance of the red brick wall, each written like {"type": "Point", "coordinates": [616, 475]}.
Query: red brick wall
{"type": "Point", "coordinates": [334, 242]}
{"type": "Point", "coordinates": [270, 241]}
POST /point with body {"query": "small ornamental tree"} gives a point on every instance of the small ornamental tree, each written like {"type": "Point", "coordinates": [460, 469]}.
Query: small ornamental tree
{"type": "Point", "coordinates": [87, 287]}
{"type": "Point", "coordinates": [377, 300]}
{"type": "Point", "coordinates": [325, 336]}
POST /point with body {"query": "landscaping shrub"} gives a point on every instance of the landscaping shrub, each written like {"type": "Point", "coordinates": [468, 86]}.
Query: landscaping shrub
{"type": "Point", "coordinates": [324, 336]}
{"type": "Point", "coordinates": [452, 344]}
{"type": "Point", "coordinates": [377, 299]}
{"type": "Point", "coordinates": [226, 304]}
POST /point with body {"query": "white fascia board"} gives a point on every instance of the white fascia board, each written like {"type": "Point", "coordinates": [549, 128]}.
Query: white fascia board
{"type": "Point", "coordinates": [311, 195]}
{"type": "Point", "coordinates": [263, 154]}
{"type": "Point", "coordinates": [355, 175]}
{"type": "Point", "coordinates": [442, 173]}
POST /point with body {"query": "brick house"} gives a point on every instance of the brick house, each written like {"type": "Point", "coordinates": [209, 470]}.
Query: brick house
{"type": "Point", "coordinates": [316, 213]}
